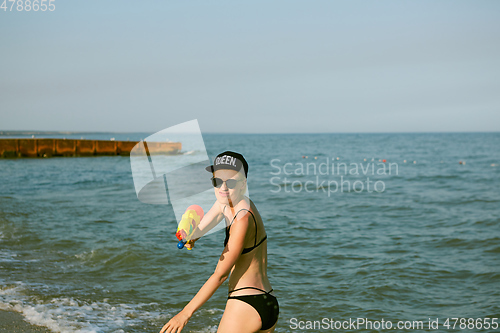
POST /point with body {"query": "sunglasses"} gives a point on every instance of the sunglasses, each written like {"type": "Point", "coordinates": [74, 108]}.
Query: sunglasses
{"type": "Point", "coordinates": [230, 183]}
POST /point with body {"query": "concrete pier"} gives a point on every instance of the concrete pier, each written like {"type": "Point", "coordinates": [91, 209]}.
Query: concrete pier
{"type": "Point", "coordinates": [75, 147]}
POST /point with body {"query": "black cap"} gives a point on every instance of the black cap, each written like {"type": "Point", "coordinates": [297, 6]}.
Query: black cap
{"type": "Point", "coordinates": [229, 160]}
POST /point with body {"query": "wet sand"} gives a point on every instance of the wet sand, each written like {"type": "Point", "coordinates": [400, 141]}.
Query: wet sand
{"type": "Point", "coordinates": [13, 322]}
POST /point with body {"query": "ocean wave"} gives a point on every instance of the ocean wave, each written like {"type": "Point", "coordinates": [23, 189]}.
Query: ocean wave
{"type": "Point", "coordinates": [488, 222]}
{"type": "Point", "coordinates": [116, 257]}
{"type": "Point", "coordinates": [493, 250]}
{"type": "Point", "coordinates": [7, 230]}
{"type": "Point", "coordinates": [471, 201]}
{"type": "Point", "coordinates": [72, 315]}
{"type": "Point", "coordinates": [103, 221]}
{"type": "Point", "coordinates": [7, 256]}
{"type": "Point", "coordinates": [456, 242]}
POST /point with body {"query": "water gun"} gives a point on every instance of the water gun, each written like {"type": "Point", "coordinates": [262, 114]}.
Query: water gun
{"type": "Point", "coordinates": [190, 220]}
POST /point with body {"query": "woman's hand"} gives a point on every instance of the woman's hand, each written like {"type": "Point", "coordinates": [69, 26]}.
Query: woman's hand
{"type": "Point", "coordinates": [190, 244]}
{"type": "Point", "coordinates": [176, 324]}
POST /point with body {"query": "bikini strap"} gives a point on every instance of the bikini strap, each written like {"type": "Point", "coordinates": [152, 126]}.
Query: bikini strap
{"type": "Point", "coordinates": [255, 222]}
{"type": "Point", "coordinates": [267, 292]}
{"type": "Point", "coordinates": [256, 231]}
{"type": "Point", "coordinates": [248, 249]}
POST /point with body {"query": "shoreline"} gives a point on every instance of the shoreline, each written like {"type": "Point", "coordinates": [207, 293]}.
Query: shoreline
{"type": "Point", "coordinates": [14, 322]}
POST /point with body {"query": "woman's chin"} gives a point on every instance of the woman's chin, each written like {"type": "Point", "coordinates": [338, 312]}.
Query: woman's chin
{"type": "Point", "coordinates": [226, 198]}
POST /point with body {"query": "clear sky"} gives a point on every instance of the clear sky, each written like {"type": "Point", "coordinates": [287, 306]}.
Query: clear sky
{"type": "Point", "coordinates": [253, 66]}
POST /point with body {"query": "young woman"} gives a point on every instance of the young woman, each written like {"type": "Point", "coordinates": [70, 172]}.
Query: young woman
{"type": "Point", "coordinates": [251, 305]}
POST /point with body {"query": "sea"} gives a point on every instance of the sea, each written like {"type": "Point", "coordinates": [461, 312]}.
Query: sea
{"type": "Point", "coordinates": [366, 232]}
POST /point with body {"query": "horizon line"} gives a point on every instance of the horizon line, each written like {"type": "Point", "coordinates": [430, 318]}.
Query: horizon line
{"type": "Point", "coordinates": [31, 132]}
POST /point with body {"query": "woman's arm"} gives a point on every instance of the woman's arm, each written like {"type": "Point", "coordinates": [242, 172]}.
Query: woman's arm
{"type": "Point", "coordinates": [228, 258]}
{"type": "Point", "coordinates": [209, 220]}
{"type": "Point", "coordinates": [226, 262]}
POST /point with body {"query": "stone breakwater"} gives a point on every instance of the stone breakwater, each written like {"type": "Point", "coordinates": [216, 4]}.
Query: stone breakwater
{"type": "Point", "coordinates": [74, 147]}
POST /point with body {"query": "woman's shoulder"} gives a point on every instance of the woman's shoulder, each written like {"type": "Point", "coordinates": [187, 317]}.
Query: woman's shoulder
{"type": "Point", "coordinates": [246, 210]}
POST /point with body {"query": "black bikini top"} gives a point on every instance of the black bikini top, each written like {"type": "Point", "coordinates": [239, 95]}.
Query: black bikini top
{"type": "Point", "coordinates": [248, 249]}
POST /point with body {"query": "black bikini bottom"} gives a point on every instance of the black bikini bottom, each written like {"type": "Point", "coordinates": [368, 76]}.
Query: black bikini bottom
{"type": "Point", "coordinates": [265, 304]}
